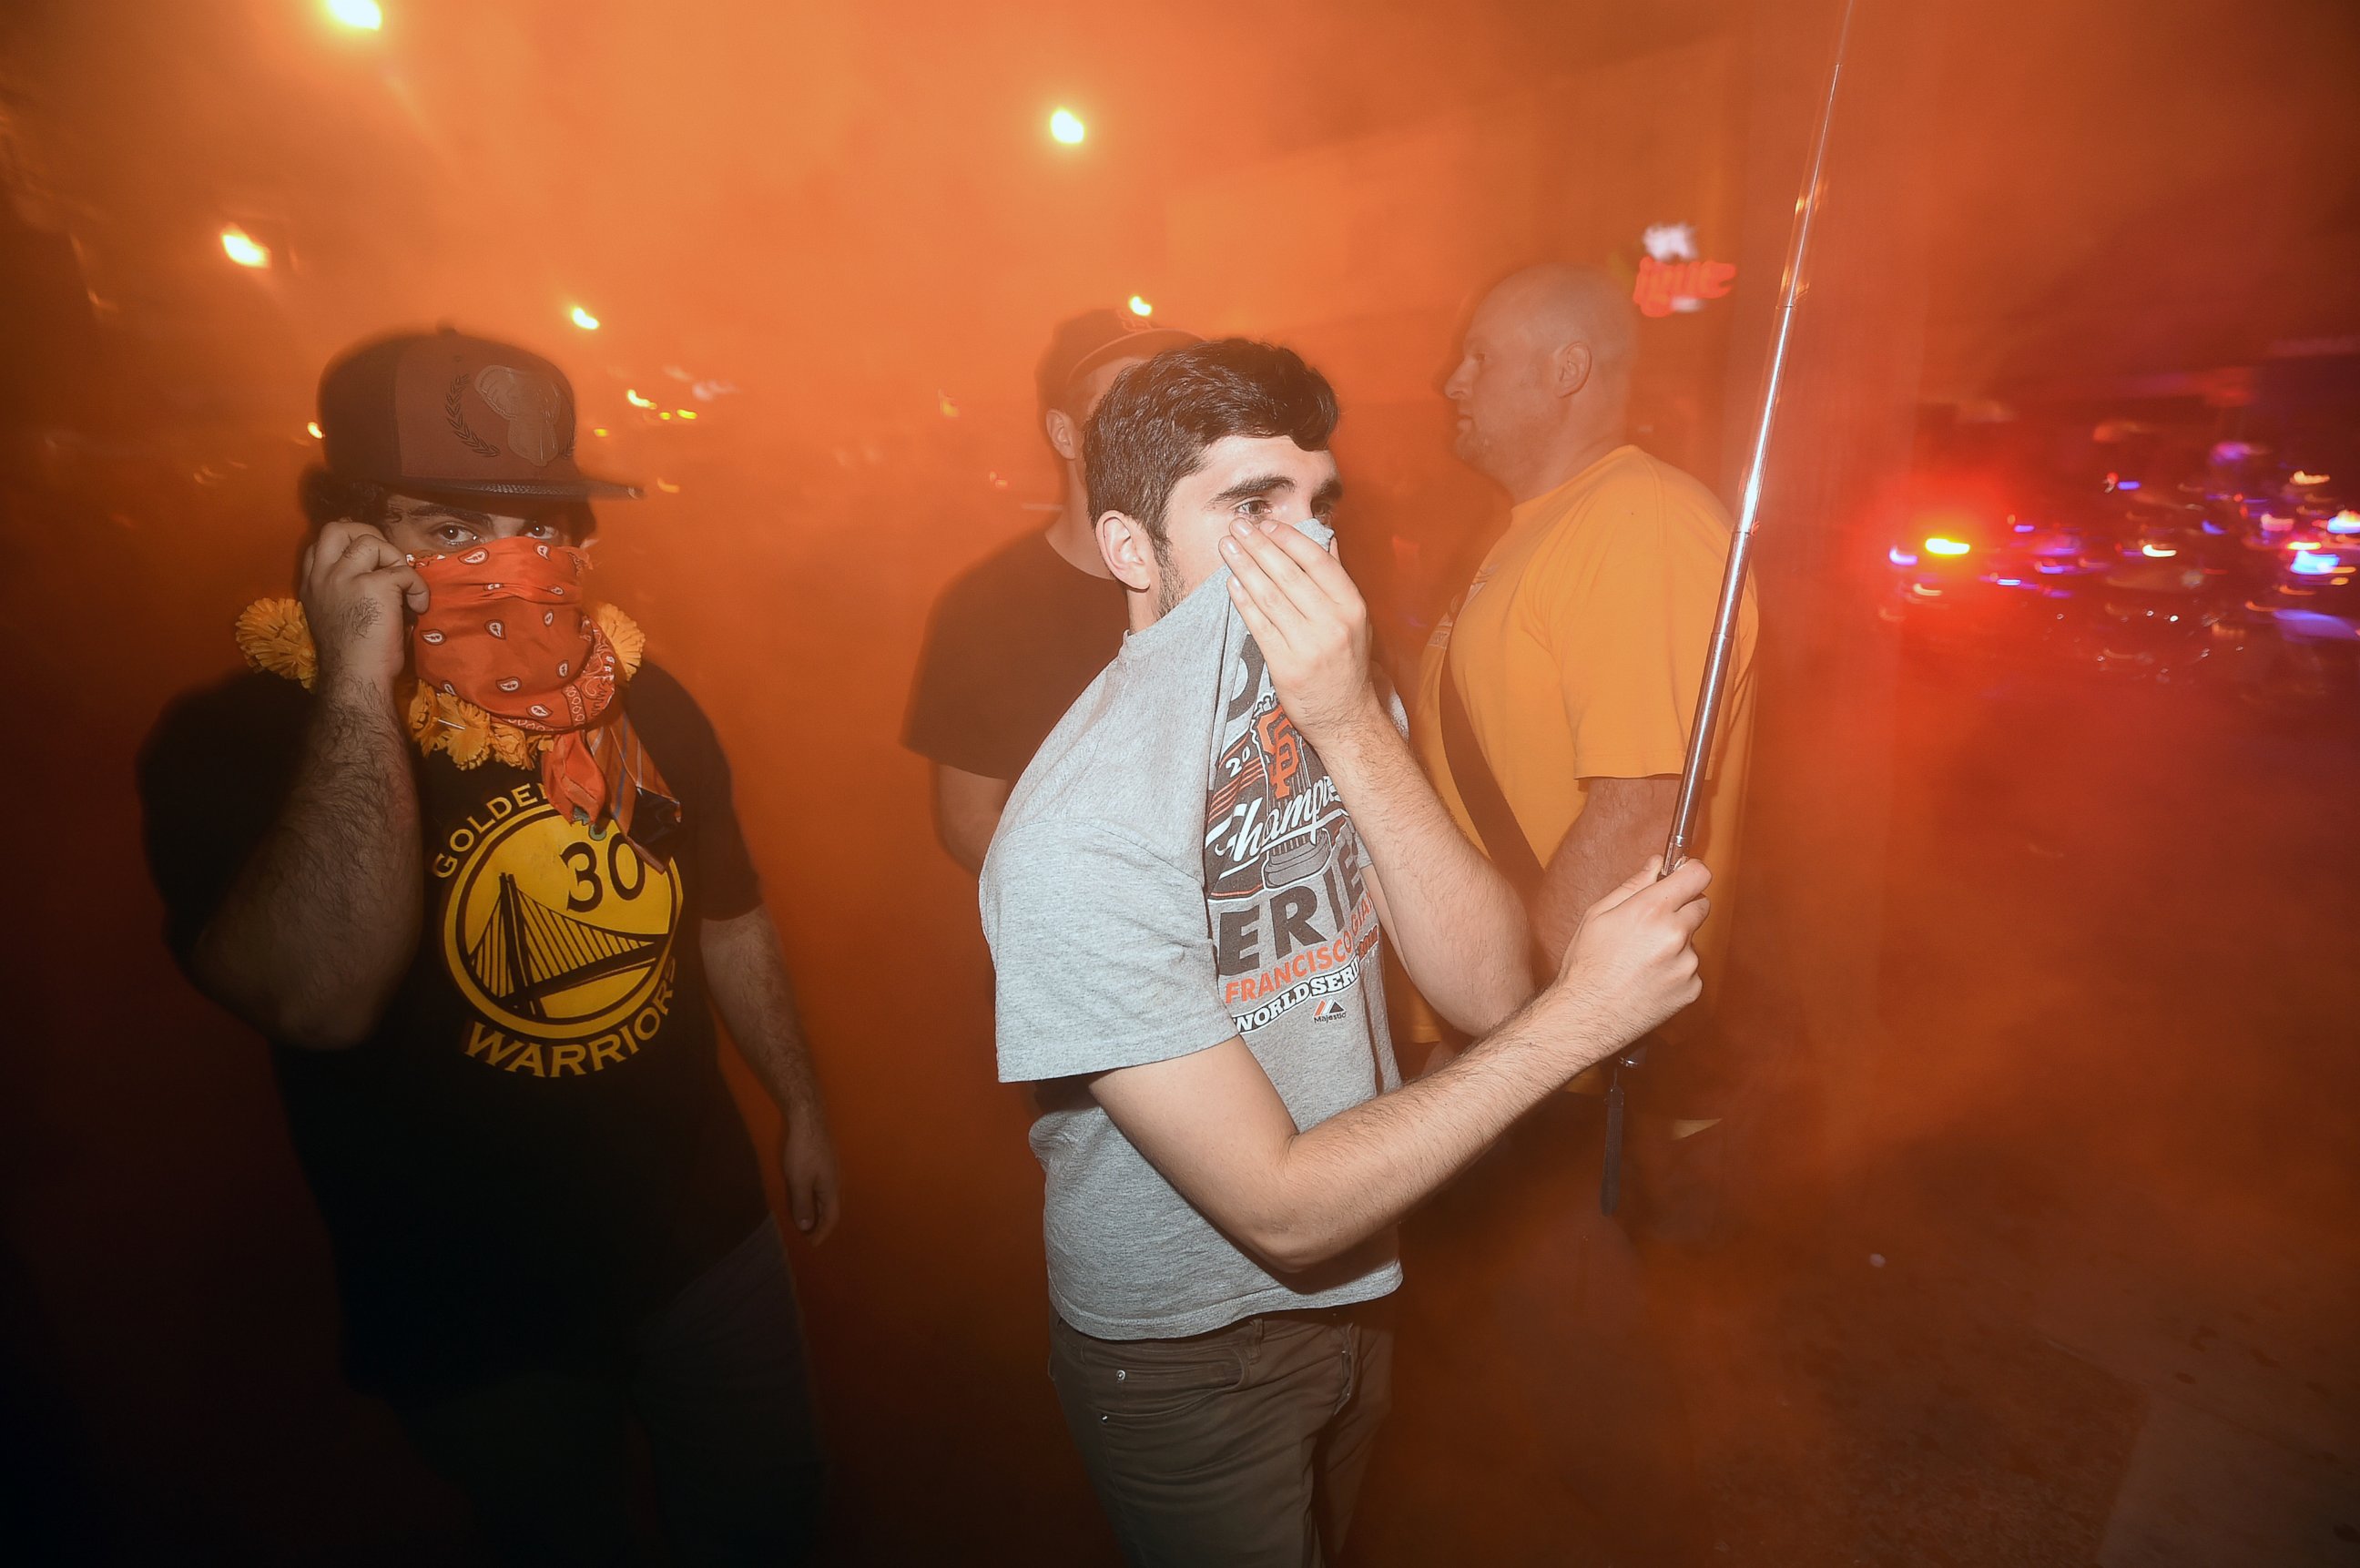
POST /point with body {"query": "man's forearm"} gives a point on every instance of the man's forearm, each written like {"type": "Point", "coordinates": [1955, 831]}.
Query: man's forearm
{"type": "Point", "coordinates": [1213, 1124]}
{"type": "Point", "coordinates": [746, 974]}
{"type": "Point", "coordinates": [1357, 1172]}
{"type": "Point", "coordinates": [1622, 823]}
{"type": "Point", "coordinates": [1454, 922]}
{"type": "Point", "coordinates": [320, 924]}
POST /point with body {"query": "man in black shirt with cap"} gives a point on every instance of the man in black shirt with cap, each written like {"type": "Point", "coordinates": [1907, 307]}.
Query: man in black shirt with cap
{"type": "Point", "coordinates": [470, 865]}
{"type": "Point", "coordinates": [1017, 637]}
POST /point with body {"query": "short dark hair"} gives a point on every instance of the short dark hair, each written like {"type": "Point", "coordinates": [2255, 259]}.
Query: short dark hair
{"type": "Point", "coordinates": [1152, 428]}
{"type": "Point", "coordinates": [329, 497]}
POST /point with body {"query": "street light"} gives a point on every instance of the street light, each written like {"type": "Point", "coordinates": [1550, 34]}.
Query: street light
{"type": "Point", "coordinates": [364, 14]}
{"type": "Point", "coordinates": [585, 320]}
{"type": "Point", "coordinates": [242, 248]}
{"type": "Point", "coordinates": [1067, 127]}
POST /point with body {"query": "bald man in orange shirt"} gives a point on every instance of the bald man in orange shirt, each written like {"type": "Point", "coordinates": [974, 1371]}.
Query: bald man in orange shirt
{"type": "Point", "coordinates": [1577, 651]}
{"type": "Point", "coordinates": [1553, 710]}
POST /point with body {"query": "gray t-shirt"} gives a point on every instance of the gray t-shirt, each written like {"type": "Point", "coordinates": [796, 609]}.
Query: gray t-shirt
{"type": "Point", "coordinates": [1175, 868]}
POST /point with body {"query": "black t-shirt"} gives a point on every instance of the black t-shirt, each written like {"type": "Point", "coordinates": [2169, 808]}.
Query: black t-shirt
{"type": "Point", "coordinates": [1012, 643]}
{"type": "Point", "coordinates": [535, 1149]}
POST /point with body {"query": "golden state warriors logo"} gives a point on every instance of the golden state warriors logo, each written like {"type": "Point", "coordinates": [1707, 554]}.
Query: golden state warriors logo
{"type": "Point", "coordinates": [560, 941]}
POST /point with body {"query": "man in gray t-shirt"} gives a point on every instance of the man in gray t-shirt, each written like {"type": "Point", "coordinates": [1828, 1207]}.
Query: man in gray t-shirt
{"type": "Point", "coordinates": [1187, 852]}
{"type": "Point", "coordinates": [1185, 900]}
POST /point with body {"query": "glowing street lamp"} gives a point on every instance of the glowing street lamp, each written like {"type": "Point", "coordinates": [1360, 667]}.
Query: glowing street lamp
{"type": "Point", "coordinates": [1140, 307]}
{"type": "Point", "coordinates": [364, 14]}
{"type": "Point", "coordinates": [242, 248]}
{"type": "Point", "coordinates": [1067, 127]}
{"type": "Point", "coordinates": [585, 320]}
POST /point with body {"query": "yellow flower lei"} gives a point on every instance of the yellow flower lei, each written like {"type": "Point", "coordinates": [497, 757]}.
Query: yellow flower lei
{"type": "Point", "coordinates": [275, 637]}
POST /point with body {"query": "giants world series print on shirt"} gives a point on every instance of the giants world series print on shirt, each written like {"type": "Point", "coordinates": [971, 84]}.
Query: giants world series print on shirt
{"type": "Point", "coordinates": [1291, 916]}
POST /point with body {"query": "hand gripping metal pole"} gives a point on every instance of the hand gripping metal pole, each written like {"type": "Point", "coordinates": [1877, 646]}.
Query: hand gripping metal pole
{"type": "Point", "coordinates": [1741, 545]}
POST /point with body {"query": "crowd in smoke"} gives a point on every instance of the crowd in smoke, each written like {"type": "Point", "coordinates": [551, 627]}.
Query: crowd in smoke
{"type": "Point", "coordinates": [442, 689]}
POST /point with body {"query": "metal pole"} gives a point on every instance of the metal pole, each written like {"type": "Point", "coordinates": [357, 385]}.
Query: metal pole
{"type": "Point", "coordinates": [1740, 544]}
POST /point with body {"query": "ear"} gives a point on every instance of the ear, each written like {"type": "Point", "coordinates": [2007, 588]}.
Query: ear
{"type": "Point", "coordinates": [1569, 368]}
{"type": "Point", "coordinates": [1064, 434]}
{"type": "Point", "coordinates": [1128, 552]}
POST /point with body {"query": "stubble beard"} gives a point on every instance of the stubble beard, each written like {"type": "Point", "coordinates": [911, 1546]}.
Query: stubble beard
{"type": "Point", "coordinates": [1167, 584]}
{"type": "Point", "coordinates": [1477, 449]}
{"type": "Point", "coordinates": [1467, 444]}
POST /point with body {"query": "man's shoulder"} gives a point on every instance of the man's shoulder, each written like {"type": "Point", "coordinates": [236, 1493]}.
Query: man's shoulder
{"type": "Point", "coordinates": [652, 686]}
{"type": "Point", "coordinates": [1639, 481]}
{"type": "Point", "coordinates": [1638, 508]}
{"type": "Point", "coordinates": [677, 731]}
{"type": "Point", "coordinates": [242, 696]}
{"type": "Point", "coordinates": [1021, 570]}
{"type": "Point", "coordinates": [1064, 875]}
{"type": "Point", "coordinates": [246, 713]}
{"type": "Point", "coordinates": [1068, 812]}
{"type": "Point", "coordinates": [1084, 833]}
{"type": "Point", "coordinates": [1090, 761]}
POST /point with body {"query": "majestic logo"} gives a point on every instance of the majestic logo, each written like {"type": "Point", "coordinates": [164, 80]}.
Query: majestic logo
{"type": "Point", "coordinates": [555, 936]}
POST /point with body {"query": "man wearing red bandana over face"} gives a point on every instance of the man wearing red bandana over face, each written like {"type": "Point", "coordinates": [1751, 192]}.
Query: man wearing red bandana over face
{"type": "Point", "coordinates": [507, 629]}
{"type": "Point", "coordinates": [470, 863]}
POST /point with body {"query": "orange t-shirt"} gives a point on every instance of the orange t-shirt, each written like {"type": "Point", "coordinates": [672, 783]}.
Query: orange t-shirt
{"type": "Point", "coordinates": [1578, 650]}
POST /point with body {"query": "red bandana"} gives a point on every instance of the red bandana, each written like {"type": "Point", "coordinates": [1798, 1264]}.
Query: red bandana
{"type": "Point", "coordinates": [507, 628]}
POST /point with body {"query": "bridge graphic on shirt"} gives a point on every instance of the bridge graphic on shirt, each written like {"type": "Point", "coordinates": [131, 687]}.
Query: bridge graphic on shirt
{"type": "Point", "coordinates": [528, 951]}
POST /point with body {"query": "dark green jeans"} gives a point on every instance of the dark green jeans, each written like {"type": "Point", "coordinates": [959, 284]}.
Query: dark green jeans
{"type": "Point", "coordinates": [1244, 1446]}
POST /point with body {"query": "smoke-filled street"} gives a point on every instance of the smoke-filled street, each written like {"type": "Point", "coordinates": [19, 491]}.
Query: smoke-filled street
{"type": "Point", "coordinates": [714, 867]}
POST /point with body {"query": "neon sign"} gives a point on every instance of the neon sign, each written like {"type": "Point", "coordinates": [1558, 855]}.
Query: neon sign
{"type": "Point", "coordinates": [1673, 280]}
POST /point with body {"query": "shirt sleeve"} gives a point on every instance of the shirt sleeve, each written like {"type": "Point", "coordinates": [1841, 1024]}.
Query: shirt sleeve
{"type": "Point", "coordinates": [690, 757]}
{"type": "Point", "coordinates": [957, 701]}
{"type": "Point", "coordinates": [1628, 609]}
{"type": "Point", "coordinates": [212, 776]}
{"type": "Point", "coordinates": [1100, 952]}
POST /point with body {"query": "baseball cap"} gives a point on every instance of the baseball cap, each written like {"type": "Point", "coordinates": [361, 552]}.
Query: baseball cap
{"type": "Point", "coordinates": [445, 413]}
{"type": "Point", "coordinates": [1083, 343]}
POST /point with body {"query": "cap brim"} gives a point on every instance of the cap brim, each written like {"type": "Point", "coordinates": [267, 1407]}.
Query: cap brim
{"type": "Point", "coordinates": [1132, 345]}
{"type": "Point", "coordinates": [585, 489]}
